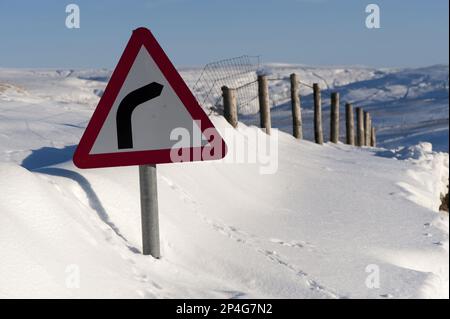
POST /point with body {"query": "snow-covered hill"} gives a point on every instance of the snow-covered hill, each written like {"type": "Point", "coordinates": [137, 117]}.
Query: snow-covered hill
{"type": "Point", "coordinates": [322, 226]}
{"type": "Point", "coordinates": [408, 106]}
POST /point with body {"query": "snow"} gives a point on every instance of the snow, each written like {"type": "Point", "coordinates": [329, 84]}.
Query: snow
{"type": "Point", "coordinates": [319, 227]}
{"type": "Point", "coordinates": [408, 106]}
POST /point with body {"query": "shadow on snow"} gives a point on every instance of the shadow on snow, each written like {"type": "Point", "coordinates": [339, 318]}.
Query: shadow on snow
{"type": "Point", "coordinates": [39, 160]}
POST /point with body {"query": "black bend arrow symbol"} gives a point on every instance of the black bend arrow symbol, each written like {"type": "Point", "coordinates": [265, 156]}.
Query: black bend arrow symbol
{"type": "Point", "coordinates": [126, 108]}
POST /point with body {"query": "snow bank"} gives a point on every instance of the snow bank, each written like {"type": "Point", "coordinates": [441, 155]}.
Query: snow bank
{"type": "Point", "coordinates": [334, 221]}
{"type": "Point", "coordinates": [315, 229]}
{"type": "Point", "coordinates": [427, 188]}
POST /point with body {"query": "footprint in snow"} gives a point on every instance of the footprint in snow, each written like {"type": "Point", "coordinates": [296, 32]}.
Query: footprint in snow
{"type": "Point", "coordinates": [147, 294]}
{"type": "Point", "coordinates": [184, 196]}
{"type": "Point", "coordinates": [314, 285]}
{"type": "Point", "coordinates": [288, 244]}
{"type": "Point", "coordinates": [292, 243]}
{"type": "Point", "coordinates": [144, 278]}
{"type": "Point", "coordinates": [231, 294]}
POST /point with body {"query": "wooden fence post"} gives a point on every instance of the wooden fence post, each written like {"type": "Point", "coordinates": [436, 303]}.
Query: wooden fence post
{"type": "Point", "coordinates": [350, 124]}
{"type": "Point", "coordinates": [360, 127]}
{"type": "Point", "coordinates": [230, 105]}
{"type": "Point", "coordinates": [318, 130]}
{"type": "Point", "coordinates": [373, 138]}
{"type": "Point", "coordinates": [264, 107]}
{"type": "Point", "coordinates": [296, 108]}
{"type": "Point", "coordinates": [334, 118]}
{"type": "Point", "coordinates": [367, 129]}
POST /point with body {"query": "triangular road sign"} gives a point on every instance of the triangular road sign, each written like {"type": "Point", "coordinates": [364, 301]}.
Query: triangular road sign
{"type": "Point", "coordinates": [147, 115]}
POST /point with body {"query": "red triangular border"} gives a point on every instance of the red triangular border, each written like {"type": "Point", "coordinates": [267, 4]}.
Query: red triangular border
{"type": "Point", "coordinates": [140, 37]}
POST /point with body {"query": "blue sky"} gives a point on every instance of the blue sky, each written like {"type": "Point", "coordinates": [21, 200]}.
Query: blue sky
{"type": "Point", "coordinates": [195, 32]}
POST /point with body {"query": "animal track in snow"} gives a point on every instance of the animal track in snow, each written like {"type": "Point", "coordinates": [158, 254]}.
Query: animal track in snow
{"type": "Point", "coordinates": [292, 243]}
{"type": "Point", "coordinates": [255, 243]}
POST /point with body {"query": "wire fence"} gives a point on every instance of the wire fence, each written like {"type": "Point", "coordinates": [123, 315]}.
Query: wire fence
{"type": "Point", "coordinates": [366, 135]}
{"type": "Point", "coordinates": [282, 94]}
{"type": "Point", "coordinates": [239, 73]}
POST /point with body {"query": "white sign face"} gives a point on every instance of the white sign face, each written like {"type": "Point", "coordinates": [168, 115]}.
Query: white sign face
{"type": "Point", "coordinates": [152, 121]}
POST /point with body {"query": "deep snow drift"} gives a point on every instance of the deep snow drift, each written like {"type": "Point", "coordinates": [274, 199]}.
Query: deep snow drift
{"type": "Point", "coordinates": [319, 227]}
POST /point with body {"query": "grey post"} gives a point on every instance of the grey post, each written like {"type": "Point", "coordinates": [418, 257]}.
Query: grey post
{"type": "Point", "coordinates": [334, 118]}
{"type": "Point", "coordinates": [373, 138]}
{"type": "Point", "coordinates": [318, 130]}
{"type": "Point", "coordinates": [230, 105]}
{"type": "Point", "coordinates": [296, 108]}
{"type": "Point", "coordinates": [367, 129]}
{"type": "Point", "coordinates": [149, 210]}
{"type": "Point", "coordinates": [360, 127]}
{"type": "Point", "coordinates": [264, 107]}
{"type": "Point", "coordinates": [350, 124]}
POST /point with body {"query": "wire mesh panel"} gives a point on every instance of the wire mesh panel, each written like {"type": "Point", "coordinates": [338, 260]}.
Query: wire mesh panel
{"type": "Point", "coordinates": [239, 73]}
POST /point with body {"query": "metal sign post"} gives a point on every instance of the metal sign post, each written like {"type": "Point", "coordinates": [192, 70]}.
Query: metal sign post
{"type": "Point", "coordinates": [149, 210]}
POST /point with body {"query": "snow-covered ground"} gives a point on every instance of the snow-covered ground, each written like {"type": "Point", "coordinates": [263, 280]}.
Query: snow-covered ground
{"type": "Point", "coordinates": [330, 220]}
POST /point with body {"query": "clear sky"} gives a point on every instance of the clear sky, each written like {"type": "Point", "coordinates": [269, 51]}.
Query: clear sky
{"type": "Point", "coordinates": [195, 32]}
